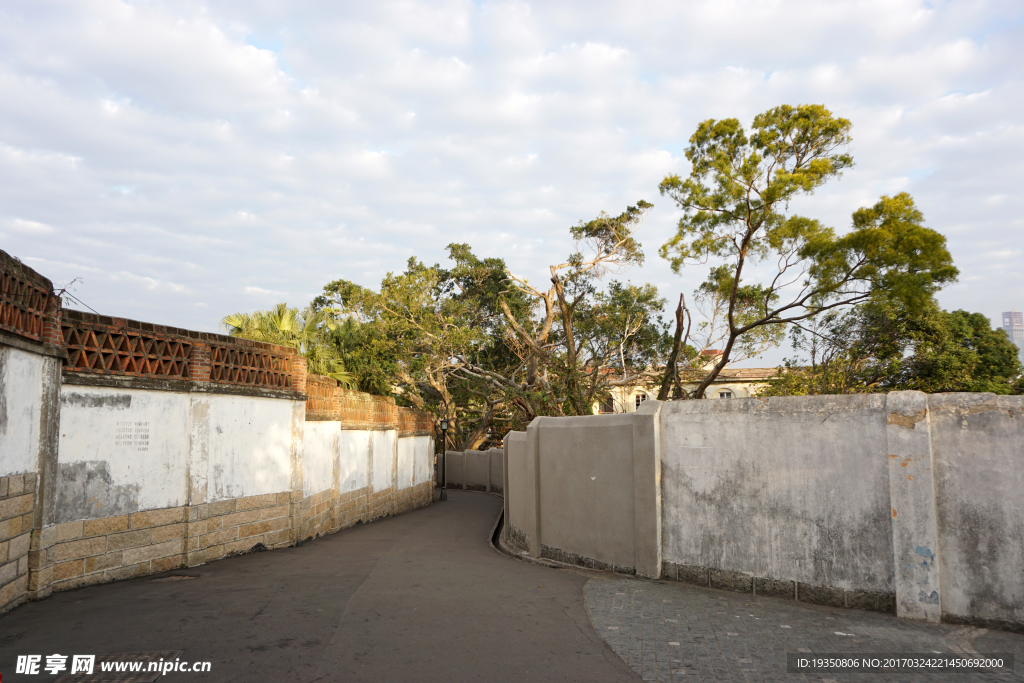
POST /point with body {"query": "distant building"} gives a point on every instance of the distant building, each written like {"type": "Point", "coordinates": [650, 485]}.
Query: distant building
{"type": "Point", "coordinates": [731, 383]}
{"type": "Point", "coordinates": [1013, 323]}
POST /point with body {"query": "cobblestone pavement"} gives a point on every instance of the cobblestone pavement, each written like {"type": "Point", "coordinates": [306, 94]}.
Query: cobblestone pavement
{"type": "Point", "coordinates": [668, 631]}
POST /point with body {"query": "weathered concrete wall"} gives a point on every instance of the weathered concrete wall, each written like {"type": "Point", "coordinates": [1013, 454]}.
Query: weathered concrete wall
{"type": "Point", "coordinates": [454, 469]}
{"type": "Point", "coordinates": [784, 490]}
{"type": "Point", "coordinates": [585, 490]}
{"type": "Point", "coordinates": [586, 487]}
{"type": "Point", "coordinates": [902, 502]}
{"type": "Point", "coordinates": [497, 473]}
{"type": "Point", "coordinates": [520, 494]}
{"type": "Point", "coordinates": [478, 470]}
{"type": "Point", "coordinates": [977, 443]}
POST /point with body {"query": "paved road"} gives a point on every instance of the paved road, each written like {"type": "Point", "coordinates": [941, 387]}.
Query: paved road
{"type": "Point", "coordinates": [672, 632]}
{"type": "Point", "coordinates": [418, 597]}
{"type": "Point", "coordinates": [423, 597]}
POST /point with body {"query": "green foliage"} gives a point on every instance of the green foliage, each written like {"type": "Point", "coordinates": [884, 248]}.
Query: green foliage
{"type": "Point", "coordinates": [307, 334]}
{"type": "Point", "coordinates": [883, 347]}
{"type": "Point", "coordinates": [736, 203]}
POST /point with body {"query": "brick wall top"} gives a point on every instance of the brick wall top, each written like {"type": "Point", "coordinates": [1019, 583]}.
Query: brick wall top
{"type": "Point", "coordinates": [29, 308]}
{"type": "Point", "coordinates": [81, 318]}
{"type": "Point", "coordinates": [358, 410]}
{"type": "Point", "coordinates": [106, 345]}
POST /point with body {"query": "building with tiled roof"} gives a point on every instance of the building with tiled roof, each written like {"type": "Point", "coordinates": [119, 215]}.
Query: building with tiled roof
{"type": "Point", "coordinates": [730, 383]}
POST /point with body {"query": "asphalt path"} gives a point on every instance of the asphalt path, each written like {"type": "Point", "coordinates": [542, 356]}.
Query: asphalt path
{"type": "Point", "coordinates": [418, 597]}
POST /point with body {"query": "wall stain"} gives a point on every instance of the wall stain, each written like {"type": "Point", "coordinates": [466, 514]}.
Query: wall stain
{"type": "Point", "coordinates": [117, 402]}
{"type": "Point", "coordinates": [907, 421]}
{"type": "Point", "coordinates": [756, 531]}
{"type": "Point", "coordinates": [85, 490]}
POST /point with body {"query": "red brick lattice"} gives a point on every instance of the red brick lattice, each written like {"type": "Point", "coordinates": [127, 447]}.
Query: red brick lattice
{"type": "Point", "coordinates": [125, 352]}
{"type": "Point", "coordinates": [320, 394]}
{"type": "Point", "coordinates": [230, 364]}
{"type": "Point", "coordinates": [27, 300]}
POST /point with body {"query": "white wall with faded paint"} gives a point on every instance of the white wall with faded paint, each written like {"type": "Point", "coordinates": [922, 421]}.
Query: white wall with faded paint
{"type": "Point", "coordinates": [124, 450]}
{"type": "Point", "coordinates": [353, 460]}
{"type": "Point", "coordinates": [423, 458]}
{"type": "Point", "coordinates": [320, 452]}
{"type": "Point", "coordinates": [251, 446]}
{"type": "Point", "coordinates": [20, 400]}
{"type": "Point", "coordinates": [383, 454]}
{"type": "Point", "coordinates": [406, 462]}
{"type": "Point", "coordinates": [121, 451]}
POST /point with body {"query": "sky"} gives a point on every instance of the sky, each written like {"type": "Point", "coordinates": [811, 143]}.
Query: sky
{"type": "Point", "coordinates": [181, 161]}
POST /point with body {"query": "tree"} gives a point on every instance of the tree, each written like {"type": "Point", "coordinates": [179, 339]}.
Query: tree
{"type": "Point", "coordinates": [579, 331]}
{"type": "Point", "coordinates": [875, 347]}
{"type": "Point", "coordinates": [735, 204]}
{"type": "Point", "coordinates": [287, 327]}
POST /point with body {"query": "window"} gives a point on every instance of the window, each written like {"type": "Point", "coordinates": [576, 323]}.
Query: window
{"type": "Point", "coordinates": [725, 394]}
{"type": "Point", "coordinates": [640, 398]}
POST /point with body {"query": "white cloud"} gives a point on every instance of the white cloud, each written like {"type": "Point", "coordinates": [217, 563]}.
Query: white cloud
{"type": "Point", "coordinates": [29, 227]}
{"type": "Point", "coordinates": [220, 145]}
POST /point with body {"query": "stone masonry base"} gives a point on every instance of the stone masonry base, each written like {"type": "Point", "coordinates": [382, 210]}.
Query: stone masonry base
{"type": "Point", "coordinates": [791, 590]}
{"type": "Point", "coordinates": [74, 554]}
{"type": "Point", "coordinates": [17, 500]}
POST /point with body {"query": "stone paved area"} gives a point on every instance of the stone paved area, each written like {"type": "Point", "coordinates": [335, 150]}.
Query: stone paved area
{"type": "Point", "coordinates": [668, 631]}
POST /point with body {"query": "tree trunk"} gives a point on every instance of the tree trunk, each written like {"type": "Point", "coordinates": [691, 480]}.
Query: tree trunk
{"type": "Point", "coordinates": [672, 369]}
{"type": "Point", "coordinates": [572, 371]}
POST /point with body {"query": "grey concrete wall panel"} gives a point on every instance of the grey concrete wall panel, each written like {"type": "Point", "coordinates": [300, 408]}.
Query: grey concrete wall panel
{"type": "Point", "coordinates": [455, 469]}
{"type": "Point", "coordinates": [497, 471]}
{"type": "Point", "coordinates": [793, 489]}
{"type": "Point", "coordinates": [514, 452]}
{"type": "Point", "coordinates": [478, 470]}
{"type": "Point", "coordinates": [978, 449]}
{"type": "Point", "coordinates": [647, 489]}
{"type": "Point", "coordinates": [914, 543]}
{"type": "Point", "coordinates": [532, 488]}
{"type": "Point", "coordinates": [587, 487]}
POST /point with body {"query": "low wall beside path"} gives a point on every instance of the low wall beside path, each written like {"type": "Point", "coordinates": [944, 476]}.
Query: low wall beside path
{"type": "Point", "coordinates": [902, 502]}
{"type": "Point", "coordinates": [475, 470]}
{"type": "Point", "coordinates": [128, 448]}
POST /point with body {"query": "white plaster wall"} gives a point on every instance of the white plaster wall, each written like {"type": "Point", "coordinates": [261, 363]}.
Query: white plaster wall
{"type": "Point", "coordinates": [121, 450]}
{"type": "Point", "coordinates": [20, 399]}
{"type": "Point", "coordinates": [406, 460]}
{"type": "Point", "coordinates": [383, 445]}
{"type": "Point", "coordinates": [353, 459]}
{"type": "Point", "coordinates": [786, 488]}
{"type": "Point", "coordinates": [250, 445]}
{"type": "Point", "coordinates": [423, 459]}
{"type": "Point", "coordinates": [320, 450]}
